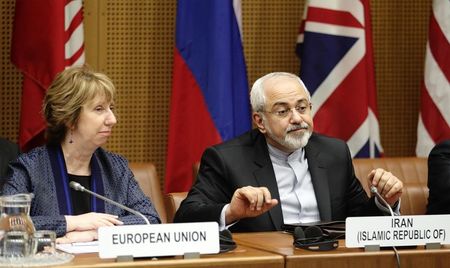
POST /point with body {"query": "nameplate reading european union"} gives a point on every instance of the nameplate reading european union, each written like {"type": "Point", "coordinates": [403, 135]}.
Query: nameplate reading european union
{"type": "Point", "coordinates": [158, 239]}
{"type": "Point", "coordinates": [389, 231]}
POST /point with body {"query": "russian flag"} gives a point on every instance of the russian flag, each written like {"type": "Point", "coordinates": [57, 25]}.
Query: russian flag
{"type": "Point", "coordinates": [209, 102]}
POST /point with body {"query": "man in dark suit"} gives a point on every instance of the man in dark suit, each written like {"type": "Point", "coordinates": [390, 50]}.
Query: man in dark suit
{"type": "Point", "coordinates": [281, 172]}
{"type": "Point", "coordinates": [8, 152]}
{"type": "Point", "coordinates": [439, 179]}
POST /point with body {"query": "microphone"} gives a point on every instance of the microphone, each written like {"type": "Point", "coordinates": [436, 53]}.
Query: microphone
{"type": "Point", "coordinates": [78, 187]}
{"type": "Point", "coordinates": [374, 191]}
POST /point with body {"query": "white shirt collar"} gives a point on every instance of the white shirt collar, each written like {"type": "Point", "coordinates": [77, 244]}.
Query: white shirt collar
{"type": "Point", "coordinates": [280, 156]}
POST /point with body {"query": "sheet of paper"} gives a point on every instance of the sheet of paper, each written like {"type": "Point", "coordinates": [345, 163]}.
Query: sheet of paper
{"type": "Point", "coordinates": [79, 247]}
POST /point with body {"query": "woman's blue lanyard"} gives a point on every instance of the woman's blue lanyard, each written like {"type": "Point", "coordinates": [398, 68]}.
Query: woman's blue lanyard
{"type": "Point", "coordinates": [62, 181]}
{"type": "Point", "coordinates": [65, 180]}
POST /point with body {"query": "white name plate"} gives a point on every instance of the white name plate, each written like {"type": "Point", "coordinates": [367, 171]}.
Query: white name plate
{"type": "Point", "coordinates": [158, 239]}
{"type": "Point", "coordinates": [397, 231]}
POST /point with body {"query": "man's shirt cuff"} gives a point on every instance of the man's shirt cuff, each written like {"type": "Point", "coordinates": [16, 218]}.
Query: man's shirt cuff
{"type": "Point", "coordinates": [385, 210]}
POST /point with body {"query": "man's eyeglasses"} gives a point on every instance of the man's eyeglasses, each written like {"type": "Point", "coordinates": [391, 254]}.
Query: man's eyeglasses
{"type": "Point", "coordinates": [284, 112]}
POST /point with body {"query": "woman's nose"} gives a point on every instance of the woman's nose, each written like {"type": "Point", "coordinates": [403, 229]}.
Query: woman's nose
{"type": "Point", "coordinates": [111, 119]}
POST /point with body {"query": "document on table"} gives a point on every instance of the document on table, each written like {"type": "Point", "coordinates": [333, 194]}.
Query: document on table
{"type": "Point", "coordinates": [79, 247]}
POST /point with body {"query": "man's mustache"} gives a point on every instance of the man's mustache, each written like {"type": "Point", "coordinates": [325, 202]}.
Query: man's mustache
{"type": "Point", "coordinates": [302, 125]}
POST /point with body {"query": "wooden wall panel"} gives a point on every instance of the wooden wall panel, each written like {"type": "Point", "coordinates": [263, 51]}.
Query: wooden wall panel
{"type": "Point", "coordinates": [10, 78]}
{"type": "Point", "coordinates": [132, 42]}
{"type": "Point", "coordinates": [399, 35]}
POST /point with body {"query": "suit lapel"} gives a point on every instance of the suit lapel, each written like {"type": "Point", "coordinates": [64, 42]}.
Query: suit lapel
{"type": "Point", "coordinates": [319, 179]}
{"type": "Point", "coordinates": [265, 176]}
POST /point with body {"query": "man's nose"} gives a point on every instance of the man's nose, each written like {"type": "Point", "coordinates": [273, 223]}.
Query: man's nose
{"type": "Point", "coordinates": [296, 117]}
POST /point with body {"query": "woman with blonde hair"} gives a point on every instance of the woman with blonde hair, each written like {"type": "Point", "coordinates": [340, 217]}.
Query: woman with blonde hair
{"type": "Point", "coordinates": [79, 111]}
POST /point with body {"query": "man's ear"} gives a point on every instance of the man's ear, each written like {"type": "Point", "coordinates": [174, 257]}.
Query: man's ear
{"type": "Point", "coordinates": [258, 120]}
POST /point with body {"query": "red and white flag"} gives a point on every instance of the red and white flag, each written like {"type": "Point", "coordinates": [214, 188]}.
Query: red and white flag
{"type": "Point", "coordinates": [47, 37]}
{"type": "Point", "coordinates": [434, 116]}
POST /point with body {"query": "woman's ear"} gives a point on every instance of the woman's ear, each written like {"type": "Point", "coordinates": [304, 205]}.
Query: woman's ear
{"type": "Point", "coordinates": [70, 126]}
{"type": "Point", "coordinates": [259, 122]}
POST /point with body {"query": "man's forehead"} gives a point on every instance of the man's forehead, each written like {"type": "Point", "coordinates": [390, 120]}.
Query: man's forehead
{"type": "Point", "coordinates": [283, 102]}
{"type": "Point", "coordinates": [284, 89]}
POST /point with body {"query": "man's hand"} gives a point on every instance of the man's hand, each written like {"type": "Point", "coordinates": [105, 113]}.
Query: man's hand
{"type": "Point", "coordinates": [389, 186]}
{"type": "Point", "coordinates": [90, 221]}
{"type": "Point", "coordinates": [249, 202]}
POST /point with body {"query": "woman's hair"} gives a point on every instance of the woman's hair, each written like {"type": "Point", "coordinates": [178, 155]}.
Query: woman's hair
{"type": "Point", "coordinates": [257, 94]}
{"type": "Point", "coordinates": [71, 89]}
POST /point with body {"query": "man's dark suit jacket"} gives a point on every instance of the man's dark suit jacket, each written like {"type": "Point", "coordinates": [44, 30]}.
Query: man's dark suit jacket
{"type": "Point", "coordinates": [439, 179]}
{"type": "Point", "coordinates": [245, 161]}
{"type": "Point", "coordinates": [8, 152]}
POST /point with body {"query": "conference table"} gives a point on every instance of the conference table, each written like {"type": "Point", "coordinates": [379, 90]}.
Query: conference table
{"type": "Point", "coordinates": [275, 249]}
{"type": "Point", "coordinates": [281, 243]}
{"type": "Point", "coordinates": [240, 257]}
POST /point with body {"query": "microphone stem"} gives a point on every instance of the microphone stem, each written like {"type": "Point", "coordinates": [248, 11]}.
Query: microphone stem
{"type": "Point", "coordinates": [137, 213]}
{"type": "Point", "coordinates": [383, 201]}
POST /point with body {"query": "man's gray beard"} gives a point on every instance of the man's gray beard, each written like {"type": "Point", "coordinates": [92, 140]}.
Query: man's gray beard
{"type": "Point", "coordinates": [292, 141]}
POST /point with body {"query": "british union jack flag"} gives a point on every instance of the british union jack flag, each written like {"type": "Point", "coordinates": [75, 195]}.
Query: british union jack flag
{"type": "Point", "coordinates": [335, 49]}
